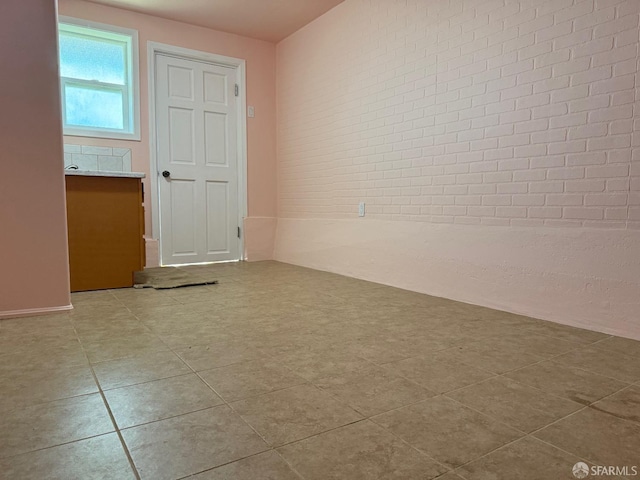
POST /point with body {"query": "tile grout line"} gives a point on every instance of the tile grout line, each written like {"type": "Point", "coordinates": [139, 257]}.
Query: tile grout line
{"type": "Point", "coordinates": [109, 412]}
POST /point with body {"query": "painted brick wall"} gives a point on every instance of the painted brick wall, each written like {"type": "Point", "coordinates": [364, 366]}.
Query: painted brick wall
{"type": "Point", "coordinates": [496, 112]}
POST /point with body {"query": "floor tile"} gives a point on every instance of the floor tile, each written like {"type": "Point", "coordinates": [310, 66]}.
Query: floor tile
{"type": "Point", "coordinates": [265, 466]}
{"type": "Point", "coordinates": [495, 357]}
{"type": "Point", "coordinates": [29, 385]}
{"type": "Point", "coordinates": [67, 354]}
{"type": "Point", "coordinates": [191, 443]}
{"type": "Point", "coordinates": [361, 451]}
{"type": "Point", "coordinates": [610, 364]}
{"type": "Point", "coordinates": [576, 384]}
{"type": "Point", "coordinates": [249, 379]}
{"type": "Point", "coordinates": [49, 424]}
{"type": "Point", "coordinates": [625, 346]}
{"type": "Point", "coordinates": [295, 413]}
{"type": "Point", "coordinates": [447, 431]}
{"type": "Point", "coordinates": [123, 346]}
{"type": "Point", "coordinates": [525, 459]}
{"type": "Point", "coordinates": [520, 406]}
{"type": "Point", "coordinates": [373, 390]}
{"type": "Point", "coordinates": [160, 399]}
{"type": "Point", "coordinates": [320, 363]}
{"type": "Point", "coordinates": [306, 356]}
{"type": "Point", "coordinates": [98, 458]}
{"type": "Point", "coordinates": [564, 332]}
{"type": "Point", "coordinates": [439, 373]}
{"type": "Point", "coordinates": [624, 404]}
{"type": "Point", "coordinates": [145, 368]}
{"type": "Point", "coordinates": [450, 476]}
{"type": "Point", "coordinates": [205, 357]}
{"type": "Point", "coordinates": [595, 436]}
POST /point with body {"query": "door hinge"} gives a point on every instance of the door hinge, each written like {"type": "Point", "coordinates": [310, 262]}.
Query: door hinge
{"type": "Point", "coordinates": [238, 232]}
{"type": "Point", "coordinates": [237, 90]}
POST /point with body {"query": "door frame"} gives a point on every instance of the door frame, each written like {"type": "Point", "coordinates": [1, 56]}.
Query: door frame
{"type": "Point", "coordinates": [155, 48]}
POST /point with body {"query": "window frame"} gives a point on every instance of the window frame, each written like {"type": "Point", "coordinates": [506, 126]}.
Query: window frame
{"type": "Point", "coordinates": [131, 91]}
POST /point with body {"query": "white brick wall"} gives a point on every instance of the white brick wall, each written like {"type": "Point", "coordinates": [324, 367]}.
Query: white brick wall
{"type": "Point", "coordinates": [497, 112]}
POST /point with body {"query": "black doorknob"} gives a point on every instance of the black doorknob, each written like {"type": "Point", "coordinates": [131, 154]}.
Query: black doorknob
{"type": "Point", "coordinates": [166, 174]}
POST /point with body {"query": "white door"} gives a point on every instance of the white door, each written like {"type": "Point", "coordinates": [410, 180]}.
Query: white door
{"type": "Point", "coordinates": [196, 122]}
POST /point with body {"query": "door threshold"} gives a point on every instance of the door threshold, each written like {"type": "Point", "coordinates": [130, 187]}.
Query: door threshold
{"type": "Point", "coordinates": [203, 263]}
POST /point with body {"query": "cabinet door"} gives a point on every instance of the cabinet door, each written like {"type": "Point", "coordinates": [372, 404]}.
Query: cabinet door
{"type": "Point", "coordinates": [105, 232]}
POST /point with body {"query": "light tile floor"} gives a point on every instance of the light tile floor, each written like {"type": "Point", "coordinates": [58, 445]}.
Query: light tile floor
{"type": "Point", "coordinates": [282, 373]}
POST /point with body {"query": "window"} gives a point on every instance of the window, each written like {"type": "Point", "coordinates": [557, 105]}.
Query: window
{"type": "Point", "coordinates": [99, 80]}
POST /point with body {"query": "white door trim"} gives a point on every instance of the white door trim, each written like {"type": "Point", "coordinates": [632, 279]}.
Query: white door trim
{"type": "Point", "coordinates": [155, 48]}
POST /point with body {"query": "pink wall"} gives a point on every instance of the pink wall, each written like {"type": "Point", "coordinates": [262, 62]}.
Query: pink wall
{"type": "Point", "coordinates": [260, 62]}
{"type": "Point", "coordinates": [33, 231]}
{"type": "Point", "coordinates": [495, 143]}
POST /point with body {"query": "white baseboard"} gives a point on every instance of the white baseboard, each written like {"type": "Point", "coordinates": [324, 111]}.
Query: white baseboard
{"type": "Point", "coordinates": [29, 312]}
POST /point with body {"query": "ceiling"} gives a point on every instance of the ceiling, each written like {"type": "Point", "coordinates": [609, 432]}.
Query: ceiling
{"type": "Point", "coordinates": [270, 20]}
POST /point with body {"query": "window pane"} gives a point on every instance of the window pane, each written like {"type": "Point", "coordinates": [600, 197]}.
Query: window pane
{"type": "Point", "coordinates": [88, 59]}
{"type": "Point", "coordinates": [86, 107]}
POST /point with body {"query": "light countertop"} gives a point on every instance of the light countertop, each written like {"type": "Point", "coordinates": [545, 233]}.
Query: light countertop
{"type": "Point", "coordinates": [95, 173]}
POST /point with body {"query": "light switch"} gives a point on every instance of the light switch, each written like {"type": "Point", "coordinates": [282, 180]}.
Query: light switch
{"type": "Point", "coordinates": [252, 112]}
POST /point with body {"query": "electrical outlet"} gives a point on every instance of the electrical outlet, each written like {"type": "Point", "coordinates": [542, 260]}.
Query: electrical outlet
{"type": "Point", "coordinates": [361, 209]}
{"type": "Point", "coordinates": [252, 111]}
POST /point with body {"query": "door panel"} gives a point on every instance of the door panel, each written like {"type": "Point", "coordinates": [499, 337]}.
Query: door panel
{"type": "Point", "coordinates": [215, 88]}
{"type": "Point", "coordinates": [218, 239]}
{"type": "Point", "coordinates": [183, 209]}
{"type": "Point", "coordinates": [196, 120]}
{"type": "Point", "coordinates": [181, 135]}
{"type": "Point", "coordinates": [215, 128]}
{"type": "Point", "coordinates": [180, 83]}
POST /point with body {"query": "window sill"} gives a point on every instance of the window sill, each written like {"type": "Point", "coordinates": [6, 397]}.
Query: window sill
{"type": "Point", "coordinates": [72, 132]}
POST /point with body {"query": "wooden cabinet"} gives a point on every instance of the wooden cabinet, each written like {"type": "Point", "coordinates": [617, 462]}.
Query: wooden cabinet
{"type": "Point", "coordinates": [105, 221]}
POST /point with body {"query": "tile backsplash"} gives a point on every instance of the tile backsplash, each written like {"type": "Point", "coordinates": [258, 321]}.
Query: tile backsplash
{"type": "Point", "coordinates": [102, 159]}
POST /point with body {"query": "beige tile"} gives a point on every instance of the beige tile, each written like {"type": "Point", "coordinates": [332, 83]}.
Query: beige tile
{"type": "Point", "coordinates": [48, 424]}
{"type": "Point", "coordinates": [265, 466]}
{"type": "Point", "coordinates": [439, 373]}
{"type": "Point", "coordinates": [610, 364]}
{"type": "Point", "coordinates": [93, 333]}
{"type": "Point", "coordinates": [447, 431]}
{"type": "Point", "coordinates": [420, 344]}
{"type": "Point", "coordinates": [141, 369]}
{"type": "Point", "coordinates": [319, 363]}
{"type": "Point", "coordinates": [249, 379]}
{"type": "Point", "coordinates": [160, 399]}
{"type": "Point", "coordinates": [565, 332]}
{"type": "Point", "coordinates": [525, 459]}
{"type": "Point", "coordinates": [625, 346]}
{"type": "Point", "coordinates": [495, 356]}
{"type": "Point", "coordinates": [92, 299]}
{"type": "Point", "coordinates": [202, 333]}
{"type": "Point", "coordinates": [205, 357]}
{"type": "Point", "coordinates": [520, 406]}
{"type": "Point", "coordinates": [191, 443]}
{"type": "Point", "coordinates": [598, 437]}
{"type": "Point", "coordinates": [123, 346]}
{"type": "Point", "coordinates": [624, 404]}
{"type": "Point", "coordinates": [29, 385]}
{"type": "Point", "coordinates": [373, 390]}
{"type": "Point", "coordinates": [450, 476]}
{"type": "Point", "coordinates": [55, 324]}
{"type": "Point", "coordinates": [64, 353]}
{"type": "Point", "coordinates": [295, 413]}
{"type": "Point", "coordinates": [576, 384]}
{"type": "Point", "coordinates": [98, 458]}
{"type": "Point", "coordinates": [375, 350]}
{"type": "Point", "coordinates": [360, 451]}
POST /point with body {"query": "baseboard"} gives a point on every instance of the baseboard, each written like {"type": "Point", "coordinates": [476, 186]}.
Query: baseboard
{"type": "Point", "coordinates": [32, 312]}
